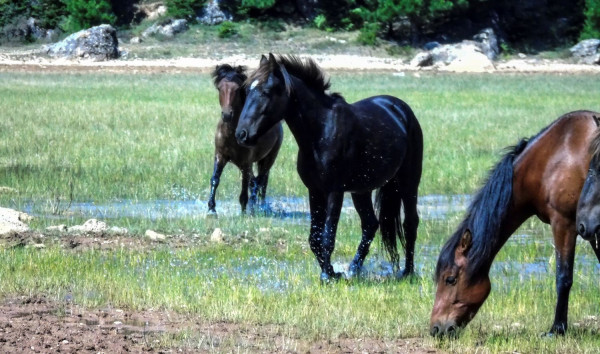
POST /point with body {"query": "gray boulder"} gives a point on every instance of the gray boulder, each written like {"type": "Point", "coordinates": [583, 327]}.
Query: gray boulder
{"type": "Point", "coordinates": [212, 14]}
{"type": "Point", "coordinates": [96, 43]}
{"type": "Point", "coordinates": [461, 57]}
{"type": "Point", "coordinates": [586, 51]}
{"type": "Point", "coordinates": [487, 41]}
{"type": "Point", "coordinates": [168, 28]}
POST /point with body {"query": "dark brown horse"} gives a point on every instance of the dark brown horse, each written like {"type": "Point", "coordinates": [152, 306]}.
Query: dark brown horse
{"type": "Point", "coordinates": [543, 177]}
{"type": "Point", "coordinates": [375, 143]}
{"type": "Point", "coordinates": [229, 82]}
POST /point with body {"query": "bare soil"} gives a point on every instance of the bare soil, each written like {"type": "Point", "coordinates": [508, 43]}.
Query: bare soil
{"type": "Point", "coordinates": [36, 324]}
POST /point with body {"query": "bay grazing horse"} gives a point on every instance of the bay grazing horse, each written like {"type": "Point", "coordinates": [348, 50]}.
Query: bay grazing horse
{"type": "Point", "coordinates": [375, 143]}
{"type": "Point", "coordinates": [542, 176]}
{"type": "Point", "coordinates": [229, 82]}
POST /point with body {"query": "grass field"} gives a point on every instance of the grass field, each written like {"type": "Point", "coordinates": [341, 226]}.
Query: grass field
{"type": "Point", "coordinates": [106, 137]}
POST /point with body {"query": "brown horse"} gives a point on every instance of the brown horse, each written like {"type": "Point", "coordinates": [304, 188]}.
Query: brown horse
{"type": "Point", "coordinates": [543, 176]}
{"type": "Point", "coordinates": [232, 95]}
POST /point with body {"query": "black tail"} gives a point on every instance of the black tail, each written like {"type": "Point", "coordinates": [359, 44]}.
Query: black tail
{"type": "Point", "coordinates": [402, 190]}
{"type": "Point", "coordinates": [388, 202]}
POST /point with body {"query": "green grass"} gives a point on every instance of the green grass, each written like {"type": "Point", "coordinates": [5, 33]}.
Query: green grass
{"type": "Point", "coordinates": [144, 137]}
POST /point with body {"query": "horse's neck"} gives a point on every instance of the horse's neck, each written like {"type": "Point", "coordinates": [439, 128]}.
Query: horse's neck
{"type": "Point", "coordinates": [306, 116]}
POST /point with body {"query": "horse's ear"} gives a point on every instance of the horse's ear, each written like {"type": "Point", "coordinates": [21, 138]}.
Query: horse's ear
{"type": "Point", "coordinates": [286, 79]}
{"type": "Point", "coordinates": [263, 60]}
{"type": "Point", "coordinates": [465, 243]}
{"type": "Point", "coordinates": [272, 59]}
{"type": "Point", "coordinates": [240, 69]}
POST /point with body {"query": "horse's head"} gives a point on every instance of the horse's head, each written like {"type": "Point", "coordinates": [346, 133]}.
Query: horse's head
{"type": "Point", "coordinates": [588, 208]}
{"type": "Point", "coordinates": [459, 294]}
{"type": "Point", "coordinates": [267, 96]}
{"type": "Point", "coordinates": [229, 82]}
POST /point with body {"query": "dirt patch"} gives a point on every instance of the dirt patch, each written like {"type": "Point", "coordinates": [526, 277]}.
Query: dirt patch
{"type": "Point", "coordinates": [331, 62]}
{"type": "Point", "coordinates": [39, 325]}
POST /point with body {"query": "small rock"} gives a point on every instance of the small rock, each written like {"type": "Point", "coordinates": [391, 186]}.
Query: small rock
{"type": "Point", "coordinates": [422, 59]}
{"type": "Point", "coordinates": [155, 236]}
{"type": "Point", "coordinates": [8, 190]}
{"type": "Point", "coordinates": [217, 236]}
{"type": "Point", "coordinates": [115, 230]}
{"type": "Point", "coordinates": [60, 228]}
{"type": "Point", "coordinates": [136, 40]}
{"type": "Point", "coordinates": [92, 226]}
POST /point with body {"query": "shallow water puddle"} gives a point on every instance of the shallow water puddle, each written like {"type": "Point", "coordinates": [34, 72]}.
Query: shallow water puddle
{"type": "Point", "coordinates": [431, 207]}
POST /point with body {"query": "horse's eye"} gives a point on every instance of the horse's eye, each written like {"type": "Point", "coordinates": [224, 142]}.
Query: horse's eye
{"type": "Point", "coordinates": [451, 280]}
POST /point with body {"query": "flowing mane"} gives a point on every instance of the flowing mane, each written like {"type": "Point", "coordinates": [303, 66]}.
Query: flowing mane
{"type": "Point", "coordinates": [595, 149]}
{"type": "Point", "coordinates": [306, 70]}
{"type": "Point", "coordinates": [484, 217]}
{"type": "Point", "coordinates": [226, 71]}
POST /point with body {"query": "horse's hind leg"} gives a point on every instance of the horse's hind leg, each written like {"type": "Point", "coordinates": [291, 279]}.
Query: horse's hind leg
{"type": "Point", "coordinates": [369, 225]}
{"type": "Point", "coordinates": [246, 177]}
{"type": "Point", "coordinates": [220, 163]}
{"type": "Point", "coordinates": [410, 225]}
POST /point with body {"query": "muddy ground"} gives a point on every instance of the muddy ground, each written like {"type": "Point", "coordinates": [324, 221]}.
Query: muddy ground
{"type": "Point", "coordinates": [38, 324]}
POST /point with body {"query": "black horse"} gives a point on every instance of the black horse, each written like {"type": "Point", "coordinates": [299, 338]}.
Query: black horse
{"type": "Point", "coordinates": [229, 82]}
{"type": "Point", "coordinates": [375, 143]}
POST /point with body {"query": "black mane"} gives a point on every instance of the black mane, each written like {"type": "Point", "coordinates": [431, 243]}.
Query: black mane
{"type": "Point", "coordinates": [484, 217]}
{"type": "Point", "coordinates": [226, 71]}
{"type": "Point", "coordinates": [306, 70]}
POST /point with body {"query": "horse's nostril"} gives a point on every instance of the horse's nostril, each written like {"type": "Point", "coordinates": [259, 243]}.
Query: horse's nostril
{"type": "Point", "coordinates": [451, 330]}
{"type": "Point", "coordinates": [435, 330]}
{"type": "Point", "coordinates": [241, 135]}
{"type": "Point", "coordinates": [581, 229]}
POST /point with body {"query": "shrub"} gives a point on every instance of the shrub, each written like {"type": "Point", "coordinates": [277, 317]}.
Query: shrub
{"type": "Point", "coordinates": [368, 34]}
{"type": "Point", "coordinates": [83, 14]}
{"type": "Point", "coordinates": [184, 8]}
{"type": "Point", "coordinates": [591, 25]}
{"type": "Point", "coordinates": [227, 29]}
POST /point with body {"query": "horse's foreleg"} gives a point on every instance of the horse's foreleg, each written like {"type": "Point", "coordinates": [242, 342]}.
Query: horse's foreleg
{"type": "Point", "coordinates": [564, 240]}
{"type": "Point", "coordinates": [220, 163]}
{"type": "Point", "coordinates": [246, 177]}
{"type": "Point", "coordinates": [334, 208]}
{"type": "Point", "coordinates": [368, 224]}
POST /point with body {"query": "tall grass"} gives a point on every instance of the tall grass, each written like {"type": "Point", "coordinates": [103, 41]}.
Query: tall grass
{"type": "Point", "coordinates": [151, 136]}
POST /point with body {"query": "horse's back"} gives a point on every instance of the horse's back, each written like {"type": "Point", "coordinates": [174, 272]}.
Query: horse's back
{"type": "Point", "coordinates": [550, 172]}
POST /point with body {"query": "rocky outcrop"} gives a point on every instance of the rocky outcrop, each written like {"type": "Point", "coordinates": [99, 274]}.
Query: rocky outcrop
{"type": "Point", "coordinates": [586, 51]}
{"type": "Point", "coordinates": [96, 43]}
{"type": "Point", "coordinates": [149, 11]}
{"type": "Point", "coordinates": [459, 57]}
{"type": "Point", "coordinates": [168, 28]}
{"type": "Point", "coordinates": [13, 221]}
{"type": "Point", "coordinates": [212, 14]}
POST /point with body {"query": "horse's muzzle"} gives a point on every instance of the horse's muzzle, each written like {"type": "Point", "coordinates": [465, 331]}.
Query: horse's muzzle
{"type": "Point", "coordinates": [242, 137]}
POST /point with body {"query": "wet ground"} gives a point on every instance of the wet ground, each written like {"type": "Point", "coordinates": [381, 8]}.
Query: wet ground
{"type": "Point", "coordinates": [431, 207]}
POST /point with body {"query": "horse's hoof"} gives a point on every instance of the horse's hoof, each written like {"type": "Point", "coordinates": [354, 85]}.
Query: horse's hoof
{"type": "Point", "coordinates": [353, 271]}
{"type": "Point", "coordinates": [330, 278]}
{"type": "Point", "coordinates": [407, 275]}
{"type": "Point", "coordinates": [554, 332]}
{"type": "Point", "coordinates": [212, 214]}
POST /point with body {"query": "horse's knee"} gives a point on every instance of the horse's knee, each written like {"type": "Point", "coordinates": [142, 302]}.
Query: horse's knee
{"type": "Point", "coordinates": [564, 282]}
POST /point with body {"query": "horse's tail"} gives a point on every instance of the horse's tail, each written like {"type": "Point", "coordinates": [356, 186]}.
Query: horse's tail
{"type": "Point", "coordinates": [388, 203]}
{"type": "Point", "coordinates": [402, 191]}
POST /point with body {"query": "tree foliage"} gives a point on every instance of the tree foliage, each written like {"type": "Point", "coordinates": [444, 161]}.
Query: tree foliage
{"type": "Point", "coordinates": [591, 25]}
{"type": "Point", "coordinates": [87, 13]}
